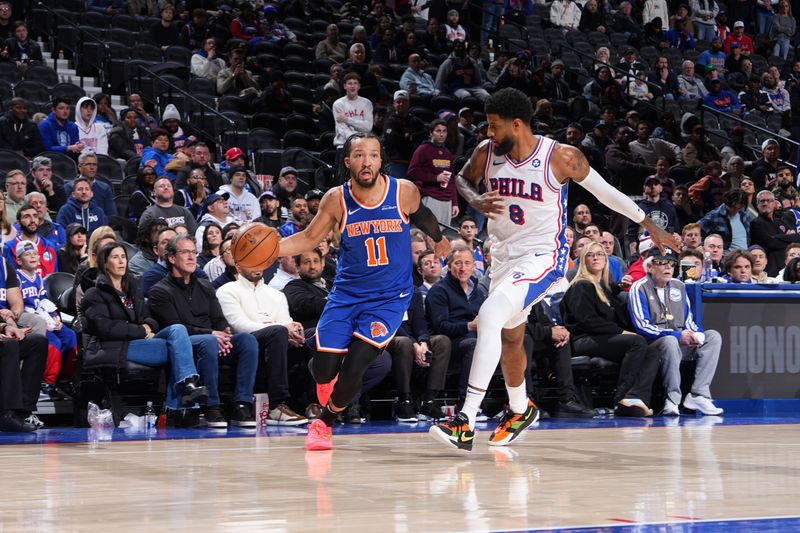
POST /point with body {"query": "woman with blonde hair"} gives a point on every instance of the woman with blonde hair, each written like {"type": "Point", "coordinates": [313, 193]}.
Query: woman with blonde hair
{"type": "Point", "coordinates": [86, 273]}
{"type": "Point", "coordinates": [599, 326]}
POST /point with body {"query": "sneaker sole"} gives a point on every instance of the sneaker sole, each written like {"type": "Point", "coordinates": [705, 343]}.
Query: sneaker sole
{"type": "Point", "coordinates": [694, 407]}
{"type": "Point", "coordinates": [319, 447]}
{"type": "Point", "coordinates": [286, 422]}
{"type": "Point", "coordinates": [243, 423]}
{"type": "Point", "coordinates": [408, 419]}
{"type": "Point", "coordinates": [517, 434]}
{"type": "Point", "coordinates": [439, 436]}
{"type": "Point", "coordinates": [189, 401]}
{"type": "Point", "coordinates": [217, 425]}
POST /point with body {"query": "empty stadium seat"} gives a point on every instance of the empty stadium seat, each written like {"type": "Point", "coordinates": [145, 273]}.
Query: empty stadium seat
{"type": "Point", "coordinates": [10, 160]}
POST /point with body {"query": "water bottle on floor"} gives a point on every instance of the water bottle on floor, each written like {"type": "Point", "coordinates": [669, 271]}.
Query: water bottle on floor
{"type": "Point", "coordinates": [149, 417]}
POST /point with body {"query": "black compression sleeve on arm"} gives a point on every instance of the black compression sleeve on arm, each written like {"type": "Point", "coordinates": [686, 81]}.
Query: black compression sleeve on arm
{"type": "Point", "coordinates": [424, 220]}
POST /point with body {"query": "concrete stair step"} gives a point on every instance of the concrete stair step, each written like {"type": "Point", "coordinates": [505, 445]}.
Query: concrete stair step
{"type": "Point", "coordinates": [68, 74]}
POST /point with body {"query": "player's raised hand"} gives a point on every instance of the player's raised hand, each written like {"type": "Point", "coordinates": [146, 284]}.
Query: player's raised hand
{"type": "Point", "coordinates": [490, 204]}
{"type": "Point", "coordinates": [441, 248]}
{"type": "Point", "coordinates": [663, 239]}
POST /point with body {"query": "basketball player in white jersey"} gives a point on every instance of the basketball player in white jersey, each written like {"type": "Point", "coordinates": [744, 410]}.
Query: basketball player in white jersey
{"type": "Point", "coordinates": [526, 181]}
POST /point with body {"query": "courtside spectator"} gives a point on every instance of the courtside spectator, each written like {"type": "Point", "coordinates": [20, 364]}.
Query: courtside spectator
{"type": "Point", "coordinates": [183, 298]}
{"type": "Point", "coordinates": [598, 324]}
{"type": "Point", "coordinates": [452, 308]}
{"type": "Point", "coordinates": [250, 306]}
{"type": "Point", "coordinates": [119, 327]}
{"type": "Point", "coordinates": [661, 314]}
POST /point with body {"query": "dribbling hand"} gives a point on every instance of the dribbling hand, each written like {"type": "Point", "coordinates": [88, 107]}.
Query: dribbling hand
{"type": "Point", "coordinates": [490, 204]}
{"type": "Point", "coordinates": [664, 240]}
{"type": "Point", "coordinates": [441, 248]}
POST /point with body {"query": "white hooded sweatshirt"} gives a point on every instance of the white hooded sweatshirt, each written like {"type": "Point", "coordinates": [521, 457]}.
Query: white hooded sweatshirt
{"type": "Point", "coordinates": [92, 134]}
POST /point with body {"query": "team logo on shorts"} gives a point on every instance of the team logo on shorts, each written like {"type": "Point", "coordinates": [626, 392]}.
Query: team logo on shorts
{"type": "Point", "coordinates": [377, 329]}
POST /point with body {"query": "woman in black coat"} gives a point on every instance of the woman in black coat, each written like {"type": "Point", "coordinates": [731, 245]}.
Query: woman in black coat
{"type": "Point", "coordinates": [599, 326]}
{"type": "Point", "coordinates": [118, 328]}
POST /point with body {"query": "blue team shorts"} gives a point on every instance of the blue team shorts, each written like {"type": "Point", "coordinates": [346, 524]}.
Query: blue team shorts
{"type": "Point", "coordinates": [373, 320]}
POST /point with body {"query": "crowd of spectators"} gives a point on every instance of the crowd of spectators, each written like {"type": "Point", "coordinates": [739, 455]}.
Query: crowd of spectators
{"type": "Point", "coordinates": [626, 89]}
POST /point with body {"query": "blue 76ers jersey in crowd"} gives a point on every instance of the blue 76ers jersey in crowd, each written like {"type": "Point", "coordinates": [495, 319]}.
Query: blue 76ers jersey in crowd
{"type": "Point", "coordinates": [32, 289]}
{"type": "Point", "coordinates": [536, 204]}
{"type": "Point", "coordinates": [374, 257]}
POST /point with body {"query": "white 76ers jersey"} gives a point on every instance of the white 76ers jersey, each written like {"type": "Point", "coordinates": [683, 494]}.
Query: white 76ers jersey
{"type": "Point", "coordinates": [535, 215]}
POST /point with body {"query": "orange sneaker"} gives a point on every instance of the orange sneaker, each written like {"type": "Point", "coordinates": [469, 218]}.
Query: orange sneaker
{"type": "Point", "coordinates": [324, 391]}
{"type": "Point", "coordinates": [512, 425]}
{"type": "Point", "coordinates": [456, 432]}
{"type": "Point", "coordinates": [319, 437]}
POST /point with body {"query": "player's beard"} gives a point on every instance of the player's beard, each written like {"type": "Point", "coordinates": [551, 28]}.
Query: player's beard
{"type": "Point", "coordinates": [503, 147]}
{"type": "Point", "coordinates": [368, 183]}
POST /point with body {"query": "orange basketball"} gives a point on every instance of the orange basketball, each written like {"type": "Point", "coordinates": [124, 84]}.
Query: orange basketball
{"type": "Point", "coordinates": [255, 246]}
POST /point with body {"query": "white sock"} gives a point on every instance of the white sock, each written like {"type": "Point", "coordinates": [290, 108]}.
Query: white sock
{"type": "Point", "coordinates": [517, 398]}
{"type": "Point", "coordinates": [495, 312]}
{"type": "Point", "coordinates": [471, 404]}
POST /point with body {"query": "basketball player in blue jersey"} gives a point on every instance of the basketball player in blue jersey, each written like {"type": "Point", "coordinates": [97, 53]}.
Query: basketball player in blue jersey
{"type": "Point", "coordinates": [526, 182]}
{"type": "Point", "coordinates": [373, 283]}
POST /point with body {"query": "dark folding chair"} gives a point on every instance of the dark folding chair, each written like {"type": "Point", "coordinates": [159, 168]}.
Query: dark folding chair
{"type": "Point", "coordinates": [296, 121]}
{"type": "Point", "coordinates": [11, 160]}
{"type": "Point", "coordinates": [299, 139]}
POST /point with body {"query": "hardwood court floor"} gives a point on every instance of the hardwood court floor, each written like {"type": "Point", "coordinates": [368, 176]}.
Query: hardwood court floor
{"type": "Point", "coordinates": [402, 482]}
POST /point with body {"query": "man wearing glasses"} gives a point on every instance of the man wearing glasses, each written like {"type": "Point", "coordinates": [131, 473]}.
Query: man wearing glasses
{"type": "Point", "coordinates": [183, 298]}
{"type": "Point", "coordinates": [661, 314]}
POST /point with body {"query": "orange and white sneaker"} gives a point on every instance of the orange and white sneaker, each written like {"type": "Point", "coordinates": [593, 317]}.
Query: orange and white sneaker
{"type": "Point", "coordinates": [324, 391]}
{"type": "Point", "coordinates": [319, 437]}
{"type": "Point", "coordinates": [456, 432]}
{"type": "Point", "coordinates": [512, 425]}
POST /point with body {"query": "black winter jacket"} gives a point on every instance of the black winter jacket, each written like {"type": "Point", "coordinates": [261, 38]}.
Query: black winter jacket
{"type": "Point", "coordinates": [109, 326]}
{"type": "Point", "coordinates": [20, 136]}
{"type": "Point", "coordinates": [194, 305]}
{"type": "Point", "coordinates": [585, 315]}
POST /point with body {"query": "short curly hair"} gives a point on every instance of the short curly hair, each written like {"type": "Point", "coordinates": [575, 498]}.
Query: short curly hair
{"type": "Point", "coordinates": [509, 104]}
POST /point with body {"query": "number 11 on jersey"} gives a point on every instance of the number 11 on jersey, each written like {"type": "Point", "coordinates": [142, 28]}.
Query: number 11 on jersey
{"type": "Point", "coordinates": [376, 257]}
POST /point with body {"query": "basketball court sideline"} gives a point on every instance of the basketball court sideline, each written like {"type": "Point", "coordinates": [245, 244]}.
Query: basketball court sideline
{"type": "Point", "coordinates": [692, 474]}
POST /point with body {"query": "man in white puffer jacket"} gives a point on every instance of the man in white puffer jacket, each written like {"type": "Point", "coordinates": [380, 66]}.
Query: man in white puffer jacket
{"type": "Point", "coordinates": [92, 134]}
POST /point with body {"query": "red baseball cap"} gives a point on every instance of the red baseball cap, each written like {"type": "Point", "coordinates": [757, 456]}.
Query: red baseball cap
{"type": "Point", "coordinates": [234, 153]}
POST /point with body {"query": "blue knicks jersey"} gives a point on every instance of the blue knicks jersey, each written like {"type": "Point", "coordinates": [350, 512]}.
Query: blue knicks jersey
{"type": "Point", "coordinates": [375, 246]}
